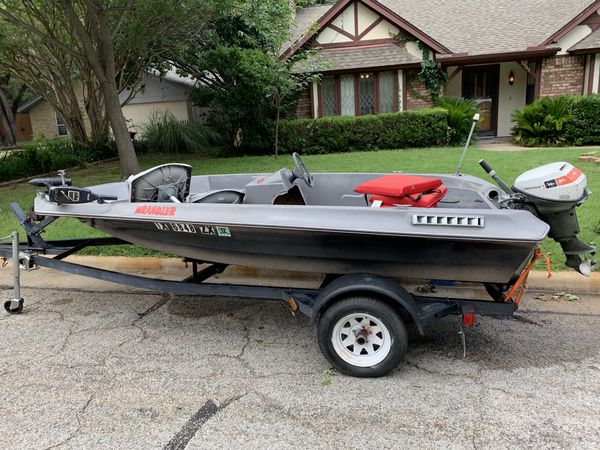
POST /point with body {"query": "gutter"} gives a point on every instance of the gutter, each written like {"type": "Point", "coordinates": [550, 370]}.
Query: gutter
{"type": "Point", "coordinates": [465, 58]}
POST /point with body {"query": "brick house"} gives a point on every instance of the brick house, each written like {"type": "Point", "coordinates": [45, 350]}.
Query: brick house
{"type": "Point", "coordinates": [503, 54]}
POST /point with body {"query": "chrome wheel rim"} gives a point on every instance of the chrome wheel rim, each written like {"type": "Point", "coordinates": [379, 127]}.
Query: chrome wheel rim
{"type": "Point", "coordinates": [361, 339]}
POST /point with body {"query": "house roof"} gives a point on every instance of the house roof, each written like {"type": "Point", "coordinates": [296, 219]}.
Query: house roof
{"type": "Point", "coordinates": [591, 41]}
{"type": "Point", "coordinates": [365, 57]}
{"type": "Point", "coordinates": [489, 26]}
{"type": "Point", "coordinates": [475, 27]}
{"type": "Point", "coordinates": [34, 101]}
{"type": "Point", "coordinates": [171, 76]}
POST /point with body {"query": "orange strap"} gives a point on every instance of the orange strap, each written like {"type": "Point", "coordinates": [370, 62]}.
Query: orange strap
{"type": "Point", "coordinates": [516, 292]}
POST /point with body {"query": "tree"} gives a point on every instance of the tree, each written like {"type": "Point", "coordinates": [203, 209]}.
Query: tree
{"type": "Point", "coordinates": [236, 61]}
{"type": "Point", "coordinates": [108, 45]}
{"type": "Point", "coordinates": [287, 84]}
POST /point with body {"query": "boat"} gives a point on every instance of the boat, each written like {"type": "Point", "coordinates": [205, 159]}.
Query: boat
{"type": "Point", "coordinates": [423, 226]}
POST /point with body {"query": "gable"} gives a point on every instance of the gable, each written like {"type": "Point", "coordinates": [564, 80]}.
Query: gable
{"type": "Point", "coordinates": [357, 23]}
{"type": "Point", "coordinates": [352, 22]}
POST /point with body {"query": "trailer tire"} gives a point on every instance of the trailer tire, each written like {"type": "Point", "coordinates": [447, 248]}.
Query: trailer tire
{"type": "Point", "coordinates": [362, 336]}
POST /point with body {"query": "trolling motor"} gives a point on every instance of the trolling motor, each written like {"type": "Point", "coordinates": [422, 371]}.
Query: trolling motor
{"type": "Point", "coordinates": [552, 192]}
{"type": "Point", "coordinates": [60, 191]}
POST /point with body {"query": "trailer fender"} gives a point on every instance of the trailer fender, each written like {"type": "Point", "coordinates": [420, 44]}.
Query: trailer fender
{"type": "Point", "coordinates": [365, 283]}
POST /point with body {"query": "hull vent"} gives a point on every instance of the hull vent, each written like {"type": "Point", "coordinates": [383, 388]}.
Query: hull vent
{"type": "Point", "coordinates": [453, 221]}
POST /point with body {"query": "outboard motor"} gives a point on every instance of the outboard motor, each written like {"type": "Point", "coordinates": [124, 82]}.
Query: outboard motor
{"type": "Point", "coordinates": [552, 192]}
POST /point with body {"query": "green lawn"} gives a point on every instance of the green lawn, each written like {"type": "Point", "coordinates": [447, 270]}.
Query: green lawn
{"type": "Point", "coordinates": [436, 160]}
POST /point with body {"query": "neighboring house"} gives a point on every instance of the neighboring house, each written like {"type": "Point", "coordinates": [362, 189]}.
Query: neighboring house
{"type": "Point", "coordinates": [157, 94]}
{"type": "Point", "coordinates": [503, 54]}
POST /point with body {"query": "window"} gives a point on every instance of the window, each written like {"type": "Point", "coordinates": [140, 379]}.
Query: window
{"type": "Point", "coordinates": [329, 97]}
{"type": "Point", "coordinates": [347, 94]}
{"type": "Point", "coordinates": [358, 93]}
{"type": "Point", "coordinates": [61, 127]}
{"type": "Point", "coordinates": [386, 92]}
{"type": "Point", "coordinates": [367, 94]}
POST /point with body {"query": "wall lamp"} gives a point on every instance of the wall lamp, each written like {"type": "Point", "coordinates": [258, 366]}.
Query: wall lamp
{"type": "Point", "coordinates": [511, 78]}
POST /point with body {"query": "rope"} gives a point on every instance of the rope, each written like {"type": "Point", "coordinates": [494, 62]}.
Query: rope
{"type": "Point", "coordinates": [4, 238]}
{"type": "Point", "coordinates": [518, 289]}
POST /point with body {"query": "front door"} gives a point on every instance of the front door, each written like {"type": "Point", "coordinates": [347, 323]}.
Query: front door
{"type": "Point", "coordinates": [481, 84]}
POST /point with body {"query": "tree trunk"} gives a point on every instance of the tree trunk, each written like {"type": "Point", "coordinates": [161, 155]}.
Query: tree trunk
{"type": "Point", "coordinates": [127, 156]}
{"type": "Point", "coordinates": [7, 120]}
{"type": "Point", "coordinates": [277, 129]}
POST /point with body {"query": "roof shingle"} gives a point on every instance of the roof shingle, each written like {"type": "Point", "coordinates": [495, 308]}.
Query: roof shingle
{"type": "Point", "coordinates": [473, 26]}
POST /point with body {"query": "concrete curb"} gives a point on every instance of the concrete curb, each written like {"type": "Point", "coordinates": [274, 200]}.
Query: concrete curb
{"type": "Point", "coordinates": [560, 281]}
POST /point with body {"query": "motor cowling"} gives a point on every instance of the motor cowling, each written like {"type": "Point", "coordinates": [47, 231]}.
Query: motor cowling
{"type": "Point", "coordinates": [554, 191]}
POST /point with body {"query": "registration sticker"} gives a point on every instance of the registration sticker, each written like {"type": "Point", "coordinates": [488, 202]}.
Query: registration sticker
{"type": "Point", "coordinates": [193, 228]}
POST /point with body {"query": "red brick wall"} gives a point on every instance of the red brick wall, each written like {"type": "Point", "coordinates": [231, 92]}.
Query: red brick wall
{"type": "Point", "coordinates": [303, 108]}
{"type": "Point", "coordinates": [417, 94]}
{"type": "Point", "coordinates": [562, 75]}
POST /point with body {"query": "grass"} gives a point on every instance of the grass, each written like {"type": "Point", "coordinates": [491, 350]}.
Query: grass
{"type": "Point", "coordinates": [436, 160]}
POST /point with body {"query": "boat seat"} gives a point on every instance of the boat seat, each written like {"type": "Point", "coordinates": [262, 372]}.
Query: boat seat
{"type": "Point", "coordinates": [409, 190]}
{"type": "Point", "coordinates": [227, 196]}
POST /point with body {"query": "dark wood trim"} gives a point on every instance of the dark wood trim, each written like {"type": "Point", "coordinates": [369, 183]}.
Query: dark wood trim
{"type": "Point", "coordinates": [357, 94]}
{"type": "Point", "coordinates": [377, 96]}
{"type": "Point", "coordinates": [341, 31]}
{"type": "Point", "coordinates": [525, 66]}
{"type": "Point", "coordinates": [356, 20]}
{"type": "Point", "coordinates": [353, 44]}
{"type": "Point", "coordinates": [496, 57]}
{"type": "Point", "coordinates": [372, 69]}
{"type": "Point", "coordinates": [454, 74]}
{"type": "Point", "coordinates": [404, 93]}
{"type": "Point", "coordinates": [594, 56]}
{"type": "Point", "coordinates": [538, 79]}
{"type": "Point", "coordinates": [320, 99]}
{"type": "Point", "coordinates": [395, 73]}
{"type": "Point", "coordinates": [593, 21]}
{"type": "Point", "coordinates": [399, 22]}
{"type": "Point", "coordinates": [312, 101]}
{"type": "Point", "coordinates": [583, 15]}
{"type": "Point", "coordinates": [591, 73]}
{"type": "Point", "coordinates": [338, 95]}
{"type": "Point", "coordinates": [369, 28]}
{"type": "Point", "coordinates": [585, 51]}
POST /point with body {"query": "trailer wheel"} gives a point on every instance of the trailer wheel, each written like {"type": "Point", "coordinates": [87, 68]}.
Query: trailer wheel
{"type": "Point", "coordinates": [362, 336]}
{"type": "Point", "coordinates": [11, 308]}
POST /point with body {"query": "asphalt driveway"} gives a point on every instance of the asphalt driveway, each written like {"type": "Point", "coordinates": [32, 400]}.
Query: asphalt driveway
{"type": "Point", "coordinates": [95, 365]}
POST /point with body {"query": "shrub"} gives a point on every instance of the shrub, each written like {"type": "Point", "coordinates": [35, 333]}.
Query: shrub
{"type": "Point", "coordinates": [543, 122]}
{"type": "Point", "coordinates": [584, 126]}
{"type": "Point", "coordinates": [460, 117]}
{"type": "Point", "coordinates": [47, 155]}
{"type": "Point", "coordinates": [418, 128]}
{"type": "Point", "coordinates": [164, 133]}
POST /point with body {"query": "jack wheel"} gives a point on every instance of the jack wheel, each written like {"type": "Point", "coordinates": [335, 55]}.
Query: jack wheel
{"type": "Point", "coordinates": [362, 336]}
{"type": "Point", "coordinates": [9, 306]}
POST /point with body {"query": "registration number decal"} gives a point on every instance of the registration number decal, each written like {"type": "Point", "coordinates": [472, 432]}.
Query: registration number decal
{"type": "Point", "coordinates": [193, 228]}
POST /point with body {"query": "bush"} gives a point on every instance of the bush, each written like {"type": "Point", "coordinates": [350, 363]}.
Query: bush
{"type": "Point", "coordinates": [584, 126]}
{"type": "Point", "coordinates": [418, 128]}
{"type": "Point", "coordinates": [48, 155]}
{"type": "Point", "coordinates": [543, 122]}
{"type": "Point", "coordinates": [460, 117]}
{"type": "Point", "coordinates": [165, 134]}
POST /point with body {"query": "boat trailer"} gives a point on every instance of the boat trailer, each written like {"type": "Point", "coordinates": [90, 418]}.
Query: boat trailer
{"type": "Point", "coordinates": [370, 310]}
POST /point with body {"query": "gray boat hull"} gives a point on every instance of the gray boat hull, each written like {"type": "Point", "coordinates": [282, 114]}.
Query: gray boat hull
{"type": "Point", "coordinates": [468, 237]}
{"type": "Point", "coordinates": [334, 252]}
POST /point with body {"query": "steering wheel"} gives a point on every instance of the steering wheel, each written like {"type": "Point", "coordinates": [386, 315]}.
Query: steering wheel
{"type": "Point", "coordinates": [301, 171]}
